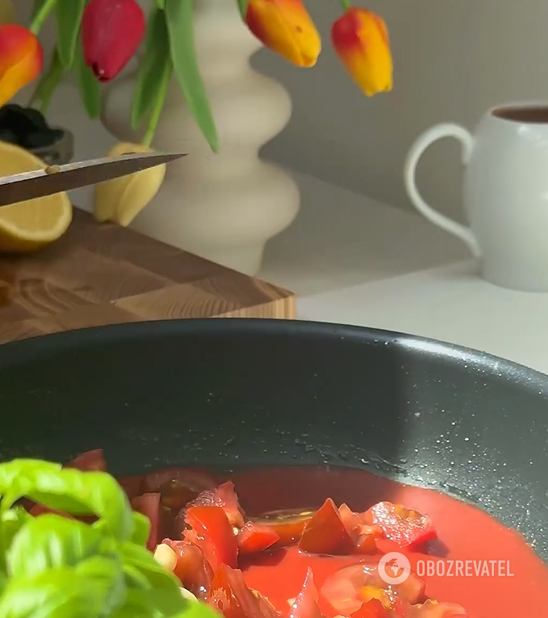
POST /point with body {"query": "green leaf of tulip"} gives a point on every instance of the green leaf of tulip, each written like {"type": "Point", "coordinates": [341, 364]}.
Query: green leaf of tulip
{"type": "Point", "coordinates": [180, 19]}
{"type": "Point", "coordinates": [89, 87]}
{"type": "Point", "coordinates": [68, 14]}
{"type": "Point", "coordinates": [150, 73]}
{"type": "Point", "coordinates": [48, 82]}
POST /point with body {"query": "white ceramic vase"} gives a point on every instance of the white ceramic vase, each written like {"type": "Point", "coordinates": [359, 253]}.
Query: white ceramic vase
{"type": "Point", "coordinates": [225, 206]}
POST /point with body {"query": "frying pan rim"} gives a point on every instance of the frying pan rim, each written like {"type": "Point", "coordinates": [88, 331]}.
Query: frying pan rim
{"type": "Point", "coordinates": [16, 352]}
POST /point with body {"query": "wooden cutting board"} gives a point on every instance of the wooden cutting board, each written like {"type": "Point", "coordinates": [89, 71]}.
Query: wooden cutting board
{"type": "Point", "coordinates": [101, 274]}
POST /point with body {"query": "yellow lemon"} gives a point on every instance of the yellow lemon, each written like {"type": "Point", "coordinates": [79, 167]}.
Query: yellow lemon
{"type": "Point", "coordinates": [120, 200]}
{"type": "Point", "coordinates": [30, 225]}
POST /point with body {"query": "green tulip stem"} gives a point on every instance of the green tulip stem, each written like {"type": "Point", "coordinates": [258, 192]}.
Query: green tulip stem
{"type": "Point", "coordinates": [158, 105]}
{"type": "Point", "coordinates": [41, 15]}
{"type": "Point", "coordinates": [345, 4]}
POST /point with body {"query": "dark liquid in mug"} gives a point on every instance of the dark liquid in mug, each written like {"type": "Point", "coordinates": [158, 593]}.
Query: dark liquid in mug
{"type": "Point", "coordinates": [532, 115]}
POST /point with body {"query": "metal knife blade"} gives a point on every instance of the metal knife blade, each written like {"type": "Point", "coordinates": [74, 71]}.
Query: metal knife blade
{"type": "Point", "coordinates": [58, 178]}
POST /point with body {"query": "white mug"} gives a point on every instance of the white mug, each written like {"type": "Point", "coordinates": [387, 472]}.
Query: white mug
{"type": "Point", "coordinates": [505, 193]}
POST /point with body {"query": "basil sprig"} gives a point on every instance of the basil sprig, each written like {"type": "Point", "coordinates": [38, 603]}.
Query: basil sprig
{"type": "Point", "coordinates": [56, 567]}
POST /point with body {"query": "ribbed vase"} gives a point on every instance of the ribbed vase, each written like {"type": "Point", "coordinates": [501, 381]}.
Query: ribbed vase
{"type": "Point", "coordinates": [223, 207]}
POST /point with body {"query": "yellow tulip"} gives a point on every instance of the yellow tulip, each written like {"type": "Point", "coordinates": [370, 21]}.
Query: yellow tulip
{"type": "Point", "coordinates": [360, 38]}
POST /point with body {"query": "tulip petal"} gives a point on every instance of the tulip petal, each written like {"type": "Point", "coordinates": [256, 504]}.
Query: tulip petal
{"type": "Point", "coordinates": [285, 27]}
{"type": "Point", "coordinates": [360, 38]}
{"type": "Point", "coordinates": [112, 31]}
{"type": "Point", "coordinates": [21, 60]}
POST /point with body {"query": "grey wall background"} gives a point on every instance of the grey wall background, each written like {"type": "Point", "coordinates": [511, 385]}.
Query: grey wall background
{"type": "Point", "coordinates": [453, 60]}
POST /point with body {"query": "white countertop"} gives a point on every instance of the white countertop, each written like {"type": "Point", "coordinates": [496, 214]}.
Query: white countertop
{"type": "Point", "coordinates": [339, 238]}
{"type": "Point", "coordinates": [353, 260]}
{"type": "Point", "coordinates": [448, 303]}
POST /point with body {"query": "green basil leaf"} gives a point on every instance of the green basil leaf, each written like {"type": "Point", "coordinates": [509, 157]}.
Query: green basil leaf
{"type": "Point", "coordinates": [242, 5]}
{"type": "Point", "coordinates": [150, 73]}
{"type": "Point", "coordinates": [86, 493]}
{"type": "Point", "coordinates": [162, 587]}
{"type": "Point", "coordinates": [49, 542]}
{"type": "Point", "coordinates": [11, 522]}
{"type": "Point", "coordinates": [17, 478]}
{"type": "Point", "coordinates": [89, 592]}
{"type": "Point", "coordinates": [180, 19]}
{"type": "Point", "coordinates": [68, 490]}
{"type": "Point", "coordinates": [141, 529]}
{"type": "Point", "coordinates": [90, 88]}
{"type": "Point", "coordinates": [48, 82]}
{"type": "Point", "coordinates": [68, 14]}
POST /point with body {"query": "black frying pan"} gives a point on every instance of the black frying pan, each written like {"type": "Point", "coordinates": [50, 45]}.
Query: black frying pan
{"type": "Point", "coordinates": [227, 392]}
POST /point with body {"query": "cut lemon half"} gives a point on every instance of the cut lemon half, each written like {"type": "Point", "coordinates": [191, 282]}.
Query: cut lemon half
{"type": "Point", "coordinates": [31, 225]}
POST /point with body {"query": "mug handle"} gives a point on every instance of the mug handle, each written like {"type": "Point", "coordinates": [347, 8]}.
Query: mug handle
{"type": "Point", "coordinates": [421, 144]}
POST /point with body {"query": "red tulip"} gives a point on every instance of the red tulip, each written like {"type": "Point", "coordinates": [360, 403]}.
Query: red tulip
{"type": "Point", "coordinates": [21, 60]}
{"type": "Point", "coordinates": [112, 30]}
{"type": "Point", "coordinates": [360, 38]}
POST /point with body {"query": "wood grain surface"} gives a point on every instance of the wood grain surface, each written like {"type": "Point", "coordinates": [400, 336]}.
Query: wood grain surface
{"type": "Point", "coordinates": [101, 274]}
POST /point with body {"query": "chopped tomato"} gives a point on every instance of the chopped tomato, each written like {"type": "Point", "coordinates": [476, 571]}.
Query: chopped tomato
{"type": "Point", "coordinates": [149, 505]}
{"type": "Point", "coordinates": [361, 524]}
{"type": "Point", "coordinates": [372, 609]}
{"type": "Point", "coordinates": [352, 520]}
{"type": "Point", "coordinates": [254, 538]}
{"type": "Point", "coordinates": [88, 461]}
{"type": "Point", "coordinates": [211, 531]}
{"type": "Point", "coordinates": [347, 588]}
{"type": "Point", "coordinates": [325, 533]}
{"type": "Point", "coordinates": [433, 609]}
{"type": "Point", "coordinates": [225, 497]}
{"type": "Point", "coordinates": [230, 596]}
{"type": "Point", "coordinates": [192, 569]}
{"type": "Point", "coordinates": [39, 509]}
{"type": "Point", "coordinates": [306, 603]}
{"type": "Point", "coordinates": [366, 544]}
{"type": "Point", "coordinates": [288, 525]}
{"type": "Point", "coordinates": [195, 479]}
{"type": "Point", "coordinates": [132, 485]}
{"type": "Point", "coordinates": [405, 527]}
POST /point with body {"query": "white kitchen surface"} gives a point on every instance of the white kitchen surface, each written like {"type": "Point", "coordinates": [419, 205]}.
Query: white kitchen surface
{"type": "Point", "coordinates": [449, 303]}
{"type": "Point", "coordinates": [353, 260]}
{"type": "Point", "coordinates": [339, 238]}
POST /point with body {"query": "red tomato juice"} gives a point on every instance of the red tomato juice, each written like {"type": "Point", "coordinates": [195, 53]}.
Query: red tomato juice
{"type": "Point", "coordinates": [516, 587]}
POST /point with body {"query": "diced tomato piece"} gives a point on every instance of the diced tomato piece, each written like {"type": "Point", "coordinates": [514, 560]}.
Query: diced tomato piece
{"type": "Point", "coordinates": [132, 485]}
{"type": "Point", "coordinates": [347, 588]}
{"type": "Point", "coordinates": [192, 569]}
{"type": "Point", "coordinates": [88, 461]}
{"type": "Point", "coordinates": [226, 497]}
{"type": "Point", "coordinates": [405, 527]}
{"type": "Point", "coordinates": [39, 509]}
{"type": "Point", "coordinates": [433, 609]}
{"type": "Point", "coordinates": [149, 505]}
{"type": "Point", "coordinates": [212, 533]}
{"type": "Point", "coordinates": [306, 603]}
{"type": "Point", "coordinates": [372, 609]}
{"type": "Point", "coordinates": [325, 533]}
{"type": "Point", "coordinates": [195, 479]}
{"type": "Point", "coordinates": [366, 544]}
{"type": "Point", "coordinates": [254, 538]}
{"type": "Point", "coordinates": [230, 596]}
{"type": "Point", "coordinates": [350, 519]}
{"type": "Point", "coordinates": [288, 525]}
